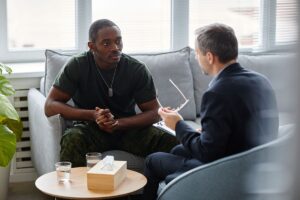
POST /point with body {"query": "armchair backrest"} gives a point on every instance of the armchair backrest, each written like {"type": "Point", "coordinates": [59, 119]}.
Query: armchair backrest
{"type": "Point", "coordinates": [247, 175]}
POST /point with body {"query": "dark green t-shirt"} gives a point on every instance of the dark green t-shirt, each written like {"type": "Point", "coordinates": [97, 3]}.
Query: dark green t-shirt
{"type": "Point", "coordinates": [132, 84]}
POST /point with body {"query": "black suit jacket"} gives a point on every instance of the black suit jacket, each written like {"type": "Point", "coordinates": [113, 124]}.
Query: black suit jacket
{"type": "Point", "coordinates": [238, 112]}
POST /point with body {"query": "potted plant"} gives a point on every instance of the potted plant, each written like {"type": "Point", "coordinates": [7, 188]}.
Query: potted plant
{"type": "Point", "coordinates": [10, 129]}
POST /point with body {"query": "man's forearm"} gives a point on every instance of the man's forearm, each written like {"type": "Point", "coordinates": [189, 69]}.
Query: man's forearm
{"type": "Point", "coordinates": [140, 120]}
{"type": "Point", "coordinates": [68, 112]}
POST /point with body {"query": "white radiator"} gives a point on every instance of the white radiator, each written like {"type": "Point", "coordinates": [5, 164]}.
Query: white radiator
{"type": "Point", "coordinates": [21, 166]}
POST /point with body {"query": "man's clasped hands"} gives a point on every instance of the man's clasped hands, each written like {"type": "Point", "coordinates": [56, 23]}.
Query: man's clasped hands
{"type": "Point", "coordinates": [106, 120]}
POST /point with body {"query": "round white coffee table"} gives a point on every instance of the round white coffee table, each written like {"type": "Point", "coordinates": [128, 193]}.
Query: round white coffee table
{"type": "Point", "coordinates": [76, 188]}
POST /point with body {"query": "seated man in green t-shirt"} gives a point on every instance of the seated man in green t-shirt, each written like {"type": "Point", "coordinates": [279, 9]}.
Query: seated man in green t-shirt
{"type": "Point", "coordinates": [105, 85]}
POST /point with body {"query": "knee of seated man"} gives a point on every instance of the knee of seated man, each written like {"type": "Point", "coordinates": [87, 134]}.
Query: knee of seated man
{"type": "Point", "coordinates": [73, 134]}
{"type": "Point", "coordinates": [177, 149]}
{"type": "Point", "coordinates": [149, 163]}
{"type": "Point", "coordinates": [153, 160]}
{"type": "Point", "coordinates": [73, 146]}
{"type": "Point", "coordinates": [154, 165]}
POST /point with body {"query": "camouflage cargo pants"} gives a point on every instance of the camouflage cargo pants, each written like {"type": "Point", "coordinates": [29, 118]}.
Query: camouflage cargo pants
{"type": "Point", "coordinates": [83, 138]}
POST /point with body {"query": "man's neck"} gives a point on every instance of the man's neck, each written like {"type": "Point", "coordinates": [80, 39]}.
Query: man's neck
{"type": "Point", "coordinates": [220, 66]}
{"type": "Point", "coordinates": [104, 66]}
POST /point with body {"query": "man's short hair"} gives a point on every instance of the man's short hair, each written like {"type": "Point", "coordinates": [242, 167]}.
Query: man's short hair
{"type": "Point", "coordinates": [218, 39]}
{"type": "Point", "coordinates": [97, 25]}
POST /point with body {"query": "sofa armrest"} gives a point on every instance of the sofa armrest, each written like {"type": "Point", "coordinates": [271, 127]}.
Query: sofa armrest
{"type": "Point", "coordinates": [45, 133]}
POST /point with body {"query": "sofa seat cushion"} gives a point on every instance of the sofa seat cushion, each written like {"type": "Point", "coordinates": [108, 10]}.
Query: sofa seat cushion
{"type": "Point", "coordinates": [175, 66]}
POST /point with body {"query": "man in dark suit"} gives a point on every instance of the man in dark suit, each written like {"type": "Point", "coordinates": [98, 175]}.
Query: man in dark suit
{"type": "Point", "coordinates": [238, 111]}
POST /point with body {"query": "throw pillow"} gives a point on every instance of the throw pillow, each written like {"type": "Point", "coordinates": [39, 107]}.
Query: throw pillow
{"type": "Point", "coordinates": [54, 63]}
{"type": "Point", "coordinates": [200, 80]}
{"type": "Point", "coordinates": [175, 66]}
{"type": "Point", "coordinates": [281, 72]}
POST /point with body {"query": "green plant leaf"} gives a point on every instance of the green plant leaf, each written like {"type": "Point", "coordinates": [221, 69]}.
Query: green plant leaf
{"type": "Point", "coordinates": [9, 117]}
{"type": "Point", "coordinates": [6, 68]}
{"type": "Point", "coordinates": [16, 127]}
{"type": "Point", "coordinates": [7, 110]}
{"type": "Point", "coordinates": [5, 87]}
{"type": "Point", "coordinates": [7, 145]}
{"type": "Point", "coordinates": [10, 124]}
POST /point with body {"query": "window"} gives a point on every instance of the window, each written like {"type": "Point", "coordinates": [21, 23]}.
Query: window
{"type": "Point", "coordinates": [243, 16]}
{"type": "Point", "coordinates": [145, 25]}
{"type": "Point", "coordinates": [31, 25]}
{"type": "Point", "coordinates": [260, 25]}
{"type": "Point", "coordinates": [286, 22]}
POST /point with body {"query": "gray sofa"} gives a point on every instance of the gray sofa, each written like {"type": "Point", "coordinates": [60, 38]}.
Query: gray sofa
{"type": "Point", "coordinates": [181, 67]}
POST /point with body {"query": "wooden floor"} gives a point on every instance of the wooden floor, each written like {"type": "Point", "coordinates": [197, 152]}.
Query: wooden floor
{"type": "Point", "coordinates": [25, 191]}
{"type": "Point", "coordinates": [28, 191]}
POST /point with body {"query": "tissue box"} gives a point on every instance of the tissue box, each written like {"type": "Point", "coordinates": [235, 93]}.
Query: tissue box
{"type": "Point", "coordinates": [101, 179]}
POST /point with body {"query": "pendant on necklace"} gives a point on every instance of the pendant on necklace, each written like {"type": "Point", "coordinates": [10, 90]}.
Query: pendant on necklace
{"type": "Point", "coordinates": [110, 92]}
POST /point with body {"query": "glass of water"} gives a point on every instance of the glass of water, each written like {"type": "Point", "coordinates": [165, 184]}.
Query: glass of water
{"type": "Point", "coordinates": [63, 171]}
{"type": "Point", "coordinates": [92, 158]}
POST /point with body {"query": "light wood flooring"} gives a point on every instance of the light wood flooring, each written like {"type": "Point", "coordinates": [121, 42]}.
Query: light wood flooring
{"type": "Point", "coordinates": [28, 191]}
{"type": "Point", "coordinates": [25, 191]}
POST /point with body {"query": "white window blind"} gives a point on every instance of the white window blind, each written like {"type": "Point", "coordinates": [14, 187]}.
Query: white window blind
{"type": "Point", "coordinates": [286, 22]}
{"type": "Point", "coordinates": [145, 25]}
{"type": "Point", "coordinates": [243, 16]}
{"type": "Point", "coordinates": [36, 24]}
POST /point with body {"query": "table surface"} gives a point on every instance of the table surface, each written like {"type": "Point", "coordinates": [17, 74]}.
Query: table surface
{"type": "Point", "coordinates": [76, 188]}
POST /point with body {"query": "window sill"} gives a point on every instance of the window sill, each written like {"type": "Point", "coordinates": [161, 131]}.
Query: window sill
{"type": "Point", "coordinates": [26, 70]}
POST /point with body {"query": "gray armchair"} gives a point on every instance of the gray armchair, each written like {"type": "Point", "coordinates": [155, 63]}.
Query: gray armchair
{"type": "Point", "coordinates": [259, 173]}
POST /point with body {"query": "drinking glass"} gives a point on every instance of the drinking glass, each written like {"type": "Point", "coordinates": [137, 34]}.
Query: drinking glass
{"type": "Point", "coordinates": [92, 158]}
{"type": "Point", "coordinates": [63, 171]}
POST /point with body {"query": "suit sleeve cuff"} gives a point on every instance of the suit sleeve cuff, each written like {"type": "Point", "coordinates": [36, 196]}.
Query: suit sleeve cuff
{"type": "Point", "coordinates": [180, 129]}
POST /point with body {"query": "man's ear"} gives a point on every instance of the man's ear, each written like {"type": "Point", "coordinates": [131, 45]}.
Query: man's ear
{"type": "Point", "coordinates": [91, 45]}
{"type": "Point", "coordinates": [210, 57]}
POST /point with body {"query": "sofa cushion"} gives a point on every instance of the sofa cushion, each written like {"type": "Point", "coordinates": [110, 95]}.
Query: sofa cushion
{"type": "Point", "coordinates": [175, 66]}
{"type": "Point", "coordinates": [42, 85]}
{"type": "Point", "coordinates": [280, 70]}
{"type": "Point", "coordinates": [54, 63]}
{"type": "Point", "coordinates": [200, 80]}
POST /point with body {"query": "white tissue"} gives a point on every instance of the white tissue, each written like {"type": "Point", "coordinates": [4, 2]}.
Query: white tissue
{"type": "Point", "coordinates": [108, 163]}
